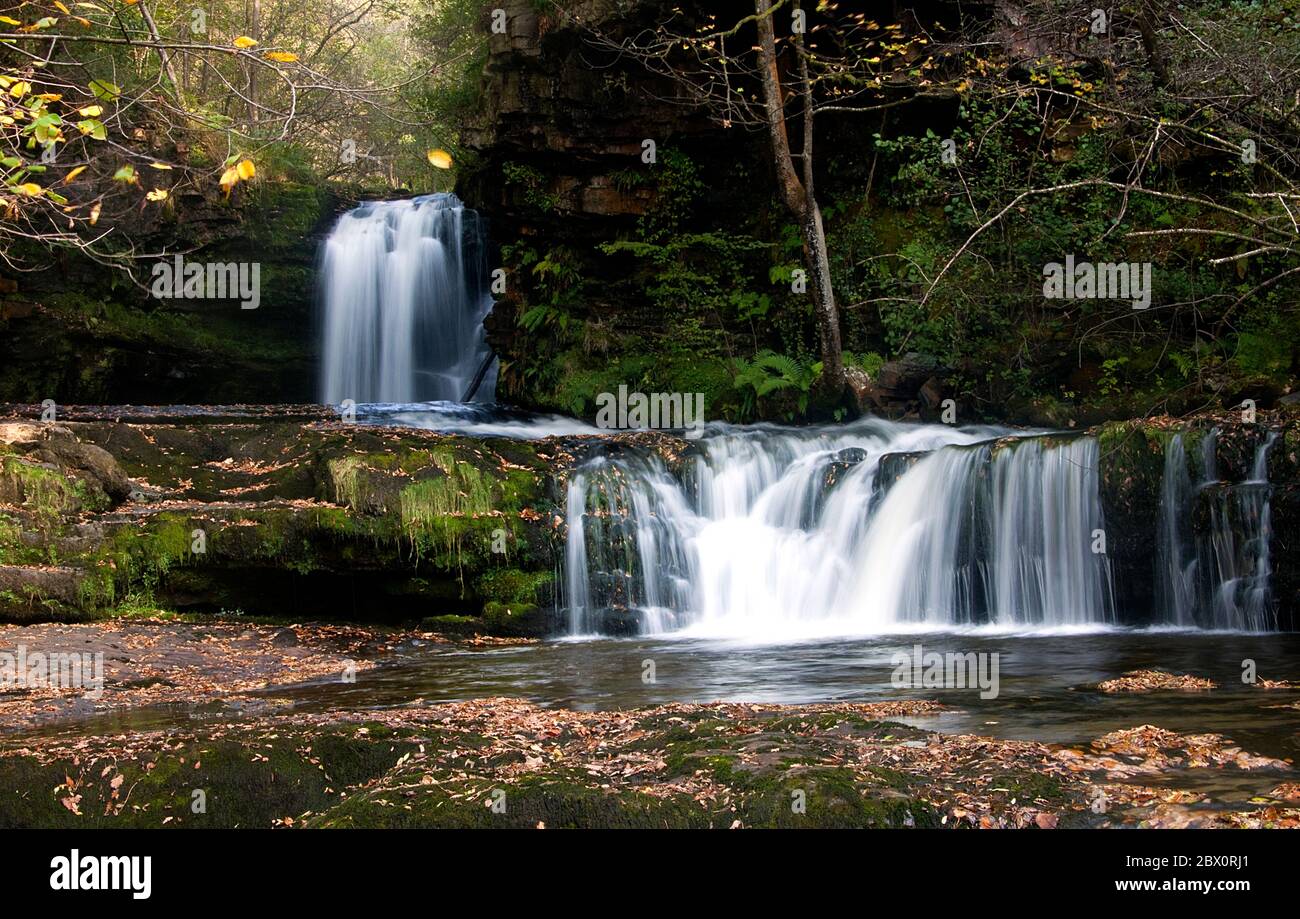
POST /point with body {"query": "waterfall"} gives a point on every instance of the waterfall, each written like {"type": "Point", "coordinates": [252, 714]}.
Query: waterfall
{"type": "Point", "coordinates": [1214, 566]}
{"type": "Point", "coordinates": [868, 527]}
{"type": "Point", "coordinates": [403, 286]}
{"type": "Point", "coordinates": [1176, 564]}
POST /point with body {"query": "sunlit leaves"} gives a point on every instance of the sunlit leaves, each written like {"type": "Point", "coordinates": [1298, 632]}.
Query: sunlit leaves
{"type": "Point", "coordinates": [126, 174]}
{"type": "Point", "coordinates": [281, 57]}
{"type": "Point", "coordinates": [92, 128]}
{"type": "Point", "coordinates": [45, 128]}
{"type": "Point", "coordinates": [105, 90]}
{"type": "Point", "coordinates": [243, 41]}
{"type": "Point", "coordinates": [235, 174]}
{"type": "Point", "coordinates": [158, 194]}
{"type": "Point", "coordinates": [439, 158]}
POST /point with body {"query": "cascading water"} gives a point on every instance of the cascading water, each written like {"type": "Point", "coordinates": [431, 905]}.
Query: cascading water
{"type": "Point", "coordinates": [1214, 565]}
{"type": "Point", "coordinates": [404, 286]}
{"type": "Point", "coordinates": [870, 527]}
{"type": "Point", "coordinates": [1176, 563]}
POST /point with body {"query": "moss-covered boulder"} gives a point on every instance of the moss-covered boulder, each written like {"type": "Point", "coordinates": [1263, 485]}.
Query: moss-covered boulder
{"type": "Point", "coordinates": [305, 517]}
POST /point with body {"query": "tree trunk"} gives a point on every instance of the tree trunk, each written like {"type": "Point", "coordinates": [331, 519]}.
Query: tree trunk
{"type": "Point", "coordinates": [255, 32]}
{"type": "Point", "coordinates": [824, 308]}
{"type": "Point", "coordinates": [163, 57]}
{"type": "Point", "coordinates": [799, 199]}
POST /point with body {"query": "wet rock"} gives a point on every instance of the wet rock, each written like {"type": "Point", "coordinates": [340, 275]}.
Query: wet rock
{"type": "Point", "coordinates": [93, 463]}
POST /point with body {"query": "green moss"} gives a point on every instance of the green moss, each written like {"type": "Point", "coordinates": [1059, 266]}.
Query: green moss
{"type": "Point", "coordinates": [512, 585]}
{"type": "Point", "coordinates": [247, 780]}
{"type": "Point", "coordinates": [1029, 786]}
{"type": "Point", "coordinates": [346, 475]}
{"type": "Point", "coordinates": [48, 492]}
{"type": "Point", "coordinates": [556, 802]}
{"type": "Point", "coordinates": [462, 491]}
{"type": "Point", "coordinates": [452, 624]}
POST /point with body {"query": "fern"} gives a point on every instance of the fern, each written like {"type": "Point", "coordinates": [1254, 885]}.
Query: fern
{"type": "Point", "coordinates": [769, 373]}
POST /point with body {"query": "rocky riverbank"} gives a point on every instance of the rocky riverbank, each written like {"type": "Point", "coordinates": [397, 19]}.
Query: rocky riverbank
{"type": "Point", "coordinates": [292, 514]}
{"type": "Point", "coordinates": [508, 763]}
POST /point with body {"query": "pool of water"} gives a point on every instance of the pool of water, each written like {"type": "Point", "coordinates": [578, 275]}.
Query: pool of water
{"type": "Point", "coordinates": [1043, 681]}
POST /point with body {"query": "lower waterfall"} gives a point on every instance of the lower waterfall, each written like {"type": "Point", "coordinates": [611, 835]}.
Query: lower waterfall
{"type": "Point", "coordinates": [865, 528]}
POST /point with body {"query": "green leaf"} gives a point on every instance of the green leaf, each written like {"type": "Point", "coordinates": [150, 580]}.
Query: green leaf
{"type": "Point", "coordinates": [105, 90]}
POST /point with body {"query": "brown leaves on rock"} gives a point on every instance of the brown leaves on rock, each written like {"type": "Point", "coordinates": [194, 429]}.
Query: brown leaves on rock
{"type": "Point", "coordinates": [1156, 681]}
{"type": "Point", "coordinates": [1147, 749]}
{"type": "Point", "coordinates": [718, 758]}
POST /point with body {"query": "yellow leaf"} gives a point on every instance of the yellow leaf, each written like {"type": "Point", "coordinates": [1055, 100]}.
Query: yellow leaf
{"type": "Point", "coordinates": [9, 22]}
{"type": "Point", "coordinates": [91, 111]}
{"type": "Point", "coordinates": [246, 170]}
{"type": "Point", "coordinates": [31, 189]}
{"type": "Point", "coordinates": [283, 57]}
{"type": "Point", "coordinates": [73, 173]}
{"type": "Point", "coordinates": [159, 166]}
{"type": "Point", "coordinates": [244, 41]}
{"type": "Point", "coordinates": [62, 8]}
{"type": "Point", "coordinates": [94, 213]}
{"type": "Point", "coordinates": [20, 89]}
{"type": "Point", "coordinates": [130, 2]}
{"type": "Point", "coordinates": [158, 194]}
{"type": "Point", "coordinates": [229, 179]}
{"type": "Point", "coordinates": [439, 158]}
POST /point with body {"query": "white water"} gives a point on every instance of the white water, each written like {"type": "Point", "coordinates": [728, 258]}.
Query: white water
{"type": "Point", "coordinates": [773, 533]}
{"type": "Point", "coordinates": [474, 420]}
{"type": "Point", "coordinates": [1220, 577]}
{"type": "Point", "coordinates": [404, 291]}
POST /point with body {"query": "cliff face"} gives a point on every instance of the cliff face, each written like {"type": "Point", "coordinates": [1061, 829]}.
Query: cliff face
{"type": "Point", "coordinates": [561, 167]}
{"type": "Point", "coordinates": [79, 332]}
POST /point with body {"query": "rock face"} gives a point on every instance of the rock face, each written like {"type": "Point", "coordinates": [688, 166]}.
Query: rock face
{"type": "Point", "coordinates": [74, 333]}
{"type": "Point", "coordinates": [550, 104]}
{"type": "Point", "coordinates": [273, 514]}
{"type": "Point", "coordinates": [909, 387]}
{"type": "Point", "coordinates": [574, 148]}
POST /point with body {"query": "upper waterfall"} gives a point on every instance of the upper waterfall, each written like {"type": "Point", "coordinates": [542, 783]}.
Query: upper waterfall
{"type": "Point", "coordinates": [404, 291]}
